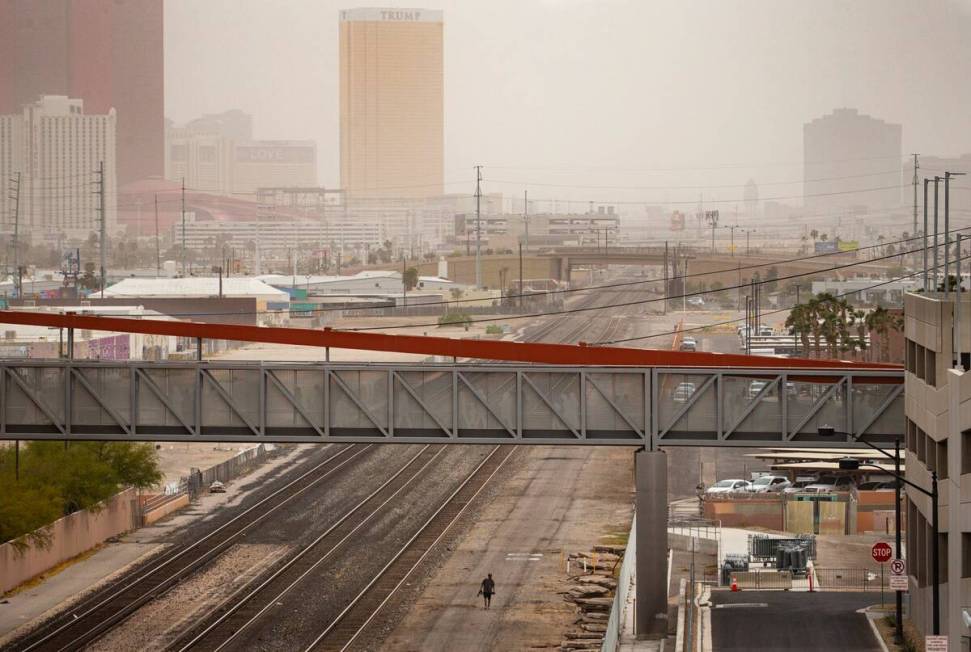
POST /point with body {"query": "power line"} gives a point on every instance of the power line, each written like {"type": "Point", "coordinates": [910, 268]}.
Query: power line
{"type": "Point", "coordinates": [727, 166]}
{"type": "Point", "coordinates": [696, 187]}
{"type": "Point", "coordinates": [741, 319]}
{"type": "Point", "coordinates": [722, 201]}
{"type": "Point", "coordinates": [652, 300]}
{"type": "Point", "coordinates": [621, 284]}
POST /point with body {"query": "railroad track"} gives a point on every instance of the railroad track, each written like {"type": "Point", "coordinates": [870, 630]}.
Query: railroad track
{"type": "Point", "coordinates": [105, 609]}
{"type": "Point", "coordinates": [250, 603]}
{"type": "Point", "coordinates": [95, 615]}
{"type": "Point", "coordinates": [350, 623]}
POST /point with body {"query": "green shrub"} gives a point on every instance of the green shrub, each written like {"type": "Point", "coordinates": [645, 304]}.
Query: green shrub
{"type": "Point", "coordinates": [494, 329]}
{"type": "Point", "coordinates": [56, 480]}
{"type": "Point", "coordinates": [454, 319]}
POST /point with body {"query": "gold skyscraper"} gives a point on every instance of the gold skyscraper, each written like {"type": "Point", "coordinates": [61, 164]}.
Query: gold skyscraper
{"type": "Point", "coordinates": [391, 102]}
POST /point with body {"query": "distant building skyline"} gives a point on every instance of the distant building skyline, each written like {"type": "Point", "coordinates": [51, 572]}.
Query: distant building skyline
{"type": "Point", "coordinates": [391, 102]}
{"type": "Point", "coordinates": [851, 160]}
{"type": "Point", "coordinates": [56, 146]}
{"type": "Point", "coordinates": [217, 153]}
{"type": "Point", "coordinates": [108, 53]}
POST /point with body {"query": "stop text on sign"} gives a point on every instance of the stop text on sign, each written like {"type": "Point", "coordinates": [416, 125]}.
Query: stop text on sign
{"type": "Point", "coordinates": [881, 552]}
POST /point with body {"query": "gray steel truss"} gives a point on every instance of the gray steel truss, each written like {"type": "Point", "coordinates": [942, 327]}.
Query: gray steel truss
{"type": "Point", "coordinates": [486, 403]}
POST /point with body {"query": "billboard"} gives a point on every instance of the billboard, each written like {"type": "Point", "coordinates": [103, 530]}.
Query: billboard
{"type": "Point", "coordinates": [848, 245]}
{"type": "Point", "coordinates": [276, 153]}
{"type": "Point", "coordinates": [826, 247]}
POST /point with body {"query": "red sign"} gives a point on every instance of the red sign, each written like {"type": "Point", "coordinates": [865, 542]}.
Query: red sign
{"type": "Point", "coordinates": [881, 552]}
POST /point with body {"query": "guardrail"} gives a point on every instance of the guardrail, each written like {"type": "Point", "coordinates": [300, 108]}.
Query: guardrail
{"type": "Point", "coordinates": [763, 580]}
{"type": "Point", "coordinates": [851, 579]}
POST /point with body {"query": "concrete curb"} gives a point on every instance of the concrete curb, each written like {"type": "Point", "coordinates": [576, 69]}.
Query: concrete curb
{"type": "Point", "coordinates": [871, 619]}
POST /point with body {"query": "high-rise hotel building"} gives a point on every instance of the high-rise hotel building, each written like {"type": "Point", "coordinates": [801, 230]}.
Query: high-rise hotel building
{"type": "Point", "coordinates": [57, 150]}
{"type": "Point", "coordinates": [391, 102]}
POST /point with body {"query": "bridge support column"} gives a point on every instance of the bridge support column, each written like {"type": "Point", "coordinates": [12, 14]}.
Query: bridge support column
{"type": "Point", "coordinates": [651, 506]}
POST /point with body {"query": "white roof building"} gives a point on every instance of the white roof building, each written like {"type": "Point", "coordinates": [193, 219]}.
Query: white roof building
{"type": "Point", "coordinates": [176, 288]}
{"type": "Point", "coordinates": [367, 281]}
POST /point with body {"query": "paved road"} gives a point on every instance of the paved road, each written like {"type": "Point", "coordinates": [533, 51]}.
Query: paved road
{"type": "Point", "coordinates": [796, 622]}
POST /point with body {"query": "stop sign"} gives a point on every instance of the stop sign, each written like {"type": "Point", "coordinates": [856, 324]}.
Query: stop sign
{"type": "Point", "coordinates": [881, 552]}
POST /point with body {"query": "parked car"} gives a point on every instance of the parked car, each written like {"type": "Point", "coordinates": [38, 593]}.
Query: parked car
{"type": "Point", "coordinates": [798, 486]}
{"type": "Point", "coordinates": [689, 344]}
{"type": "Point", "coordinates": [217, 487]}
{"type": "Point", "coordinates": [696, 301]}
{"type": "Point", "coordinates": [683, 392]}
{"type": "Point", "coordinates": [728, 487]}
{"type": "Point", "coordinates": [755, 387]}
{"type": "Point", "coordinates": [769, 484]}
{"type": "Point", "coordinates": [829, 483]}
{"type": "Point", "coordinates": [877, 485]}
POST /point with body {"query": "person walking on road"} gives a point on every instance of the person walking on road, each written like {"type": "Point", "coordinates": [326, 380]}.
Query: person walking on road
{"type": "Point", "coordinates": [487, 589]}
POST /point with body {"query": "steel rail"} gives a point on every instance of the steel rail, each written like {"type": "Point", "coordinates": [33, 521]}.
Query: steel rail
{"type": "Point", "coordinates": [536, 352]}
{"type": "Point", "coordinates": [234, 603]}
{"type": "Point", "coordinates": [484, 472]}
{"type": "Point", "coordinates": [150, 585]}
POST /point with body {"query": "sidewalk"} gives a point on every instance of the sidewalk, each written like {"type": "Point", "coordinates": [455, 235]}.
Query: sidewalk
{"type": "Point", "coordinates": [34, 603]}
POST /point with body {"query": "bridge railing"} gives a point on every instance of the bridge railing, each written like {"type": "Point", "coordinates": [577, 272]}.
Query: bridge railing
{"type": "Point", "coordinates": [294, 402]}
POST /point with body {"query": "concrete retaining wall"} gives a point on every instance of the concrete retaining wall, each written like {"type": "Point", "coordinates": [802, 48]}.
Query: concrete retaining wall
{"type": "Point", "coordinates": [70, 536]}
{"type": "Point", "coordinates": [164, 510]}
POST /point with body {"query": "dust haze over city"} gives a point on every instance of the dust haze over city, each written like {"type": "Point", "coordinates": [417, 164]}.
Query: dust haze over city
{"type": "Point", "coordinates": [602, 93]}
{"type": "Point", "coordinates": [519, 325]}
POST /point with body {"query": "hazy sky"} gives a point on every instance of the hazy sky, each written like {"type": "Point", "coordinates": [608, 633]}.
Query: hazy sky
{"type": "Point", "coordinates": [602, 93]}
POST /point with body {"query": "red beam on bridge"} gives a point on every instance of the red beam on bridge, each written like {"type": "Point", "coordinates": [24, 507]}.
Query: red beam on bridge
{"type": "Point", "coordinates": [561, 354]}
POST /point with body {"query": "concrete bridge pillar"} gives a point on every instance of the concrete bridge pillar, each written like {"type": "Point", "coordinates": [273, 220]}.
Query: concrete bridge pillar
{"type": "Point", "coordinates": [651, 506]}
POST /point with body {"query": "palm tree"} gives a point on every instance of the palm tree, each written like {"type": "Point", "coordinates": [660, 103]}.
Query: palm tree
{"type": "Point", "coordinates": [881, 321]}
{"type": "Point", "coordinates": [799, 322]}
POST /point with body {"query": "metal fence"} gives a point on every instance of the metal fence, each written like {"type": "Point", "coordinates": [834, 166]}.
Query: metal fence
{"type": "Point", "coordinates": [703, 528]}
{"type": "Point", "coordinates": [198, 481]}
{"type": "Point", "coordinates": [763, 580]}
{"type": "Point", "coordinates": [852, 579]}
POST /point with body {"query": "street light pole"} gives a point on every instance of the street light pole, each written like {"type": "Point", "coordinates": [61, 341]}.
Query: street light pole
{"type": "Point", "coordinates": [852, 464]}
{"type": "Point", "coordinates": [898, 629]}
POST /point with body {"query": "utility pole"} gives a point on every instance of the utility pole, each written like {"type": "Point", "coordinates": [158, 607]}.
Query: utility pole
{"type": "Point", "coordinates": [478, 226]}
{"type": "Point", "coordinates": [916, 167]}
{"type": "Point", "coordinates": [158, 247]}
{"type": "Point", "coordinates": [664, 304]}
{"type": "Point", "coordinates": [404, 286]}
{"type": "Point", "coordinates": [937, 181]}
{"type": "Point", "coordinates": [526, 216]}
{"type": "Point", "coordinates": [520, 293]}
{"type": "Point", "coordinates": [183, 229]}
{"type": "Point", "coordinates": [15, 196]}
{"type": "Point", "coordinates": [732, 228]}
{"type": "Point", "coordinates": [103, 226]}
{"type": "Point", "coordinates": [926, 284]}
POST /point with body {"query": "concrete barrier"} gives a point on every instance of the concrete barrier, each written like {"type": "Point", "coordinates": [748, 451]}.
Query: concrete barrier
{"type": "Point", "coordinates": [160, 512]}
{"type": "Point", "coordinates": [69, 537]}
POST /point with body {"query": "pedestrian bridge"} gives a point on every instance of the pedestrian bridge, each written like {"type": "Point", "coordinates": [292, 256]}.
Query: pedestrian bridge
{"type": "Point", "coordinates": [458, 403]}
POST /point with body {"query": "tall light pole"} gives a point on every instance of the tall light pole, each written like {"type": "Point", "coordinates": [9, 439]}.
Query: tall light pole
{"type": "Point", "coordinates": [747, 232]}
{"type": "Point", "coordinates": [478, 226]}
{"type": "Point", "coordinates": [852, 464]}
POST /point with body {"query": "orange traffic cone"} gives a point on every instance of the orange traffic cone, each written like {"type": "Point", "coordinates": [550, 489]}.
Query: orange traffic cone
{"type": "Point", "coordinates": [734, 584]}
